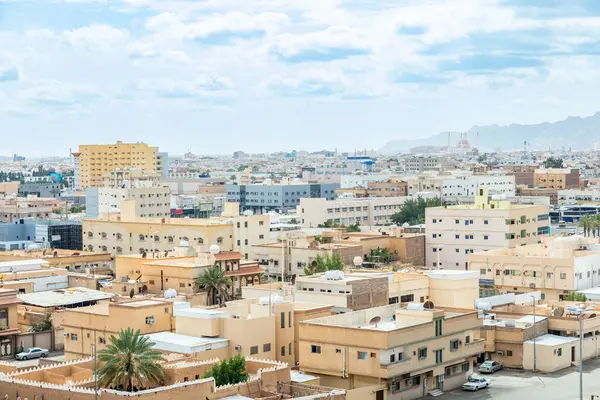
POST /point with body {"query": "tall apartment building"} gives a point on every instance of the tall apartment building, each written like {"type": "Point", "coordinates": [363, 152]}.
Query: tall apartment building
{"type": "Point", "coordinates": [454, 232]}
{"type": "Point", "coordinates": [417, 164]}
{"type": "Point", "coordinates": [283, 197]}
{"type": "Point", "coordinates": [524, 174]}
{"type": "Point", "coordinates": [369, 211]}
{"type": "Point", "coordinates": [391, 352]}
{"type": "Point", "coordinates": [93, 161]}
{"type": "Point", "coordinates": [452, 187]}
{"type": "Point", "coordinates": [150, 201]}
{"type": "Point", "coordinates": [127, 234]}
{"type": "Point", "coordinates": [557, 178]}
{"type": "Point", "coordinates": [555, 267]}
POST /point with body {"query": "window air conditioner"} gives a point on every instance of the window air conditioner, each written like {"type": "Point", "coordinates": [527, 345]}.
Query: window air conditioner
{"type": "Point", "coordinates": [238, 347]}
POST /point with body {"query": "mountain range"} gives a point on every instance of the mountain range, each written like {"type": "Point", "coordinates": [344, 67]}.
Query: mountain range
{"type": "Point", "coordinates": [575, 132]}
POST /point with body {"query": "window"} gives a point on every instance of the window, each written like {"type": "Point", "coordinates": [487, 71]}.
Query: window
{"type": "Point", "coordinates": [563, 275]}
{"type": "Point", "coordinates": [220, 240]}
{"type": "Point", "coordinates": [74, 336]}
{"type": "Point", "coordinates": [465, 367]}
{"type": "Point", "coordinates": [485, 237]}
{"type": "Point", "coordinates": [149, 320]}
{"type": "Point", "coordinates": [363, 355]}
{"type": "Point", "coordinates": [314, 349]}
{"type": "Point", "coordinates": [456, 221]}
{"type": "Point", "coordinates": [509, 353]}
{"type": "Point", "coordinates": [282, 320]}
{"type": "Point", "coordinates": [102, 340]}
{"type": "Point", "coordinates": [266, 347]}
{"type": "Point", "coordinates": [454, 345]}
{"type": "Point", "coordinates": [289, 349]}
{"type": "Point", "coordinates": [253, 350]}
{"type": "Point", "coordinates": [558, 352]}
{"type": "Point", "coordinates": [438, 357]}
{"type": "Point", "coordinates": [392, 358]}
{"type": "Point", "coordinates": [422, 353]}
{"type": "Point", "coordinates": [151, 282]}
{"type": "Point", "coordinates": [482, 271]}
{"type": "Point", "coordinates": [435, 249]}
{"type": "Point", "coordinates": [289, 319]}
{"type": "Point", "coordinates": [438, 327]}
{"type": "Point", "coordinates": [485, 221]}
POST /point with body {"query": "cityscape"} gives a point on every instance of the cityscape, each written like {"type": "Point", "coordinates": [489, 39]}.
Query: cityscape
{"type": "Point", "coordinates": [271, 200]}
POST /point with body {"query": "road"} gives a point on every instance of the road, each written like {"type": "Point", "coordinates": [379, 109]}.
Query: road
{"type": "Point", "coordinates": [54, 355]}
{"type": "Point", "coordinates": [518, 384]}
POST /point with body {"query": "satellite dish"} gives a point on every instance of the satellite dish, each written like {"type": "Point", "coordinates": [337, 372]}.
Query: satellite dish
{"type": "Point", "coordinates": [558, 312]}
{"type": "Point", "coordinates": [429, 305]}
{"type": "Point", "coordinates": [374, 321]}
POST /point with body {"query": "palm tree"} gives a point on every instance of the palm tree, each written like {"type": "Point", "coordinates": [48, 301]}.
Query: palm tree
{"type": "Point", "coordinates": [129, 362]}
{"type": "Point", "coordinates": [216, 283]}
{"type": "Point", "coordinates": [585, 223]}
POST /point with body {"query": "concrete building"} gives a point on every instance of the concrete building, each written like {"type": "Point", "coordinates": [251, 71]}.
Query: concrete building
{"type": "Point", "coordinates": [8, 322]}
{"type": "Point", "coordinates": [150, 201]}
{"type": "Point", "coordinates": [45, 189]}
{"type": "Point", "coordinates": [578, 196]}
{"type": "Point", "coordinates": [418, 164]}
{"type": "Point", "coordinates": [348, 211]}
{"type": "Point", "coordinates": [15, 209]}
{"type": "Point", "coordinates": [72, 261]}
{"type": "Point", "coordinates": [393, 187]}
{"type": "Point", "coordinates": [95, 324]}
{"type": "Point", "coordinates": [264, 197]}
{"type": "Point", "coordinates": [391, 352]}
{"type": "Point", "coordinates": [502, 185]}
{"type": "Point", "coordinates": [9, 188]}
{"type": "Point", "coordinates": [162, 164]}
{"type": "Point", "coordinates": [27, 276]}
{"type": "Point", "coordinates": [127, 234]}
{"type": "Point", "coordinates": [93, 161]}
{"type": "Point", "coordinates": [556, 267]}
{"type": "Point", "coordinates": [524, 174]}
{"type": "Point", "coordinates": [454, 232]}
{"type": "Point", "coordinates": [557, 178]}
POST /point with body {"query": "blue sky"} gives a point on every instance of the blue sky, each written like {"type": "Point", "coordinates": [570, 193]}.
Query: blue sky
{"type": "Point", "coordinates": [216, 76]}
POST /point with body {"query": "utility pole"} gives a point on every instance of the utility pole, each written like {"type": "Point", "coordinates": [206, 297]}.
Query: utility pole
{"type": "Point", "coordinates": [581, 356]}
{"type": "Point", "coordinates": [95, 353]}
{"type": "Point", "coordinates": [534, 334]}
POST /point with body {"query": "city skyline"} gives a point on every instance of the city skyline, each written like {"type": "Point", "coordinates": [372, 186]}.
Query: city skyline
{"type": "Point", "coordinates": [218, 76]}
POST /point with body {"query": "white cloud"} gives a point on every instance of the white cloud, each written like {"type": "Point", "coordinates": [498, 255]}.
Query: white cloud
{"type": "Point", "coordinates": [334, 37]}
{"type": "Point", "coordinates": [95, 37]}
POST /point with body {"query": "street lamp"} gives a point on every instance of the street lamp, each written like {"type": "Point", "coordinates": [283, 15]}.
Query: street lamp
{"type": "Point", "coordinates": [534, 334]}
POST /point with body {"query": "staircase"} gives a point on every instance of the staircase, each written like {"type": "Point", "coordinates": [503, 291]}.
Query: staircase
{"type": "Point", "coordinates": [435, 393]}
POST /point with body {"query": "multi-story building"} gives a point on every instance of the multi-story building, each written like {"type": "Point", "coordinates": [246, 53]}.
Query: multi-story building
{"type": "Point", "coordinates": [524, 174]}
{"type": "Point", "coordinates": [150, 201]}
{"type": "Point", "coordinates": [162, 164]}
{"type": "Point", "coordinates": [95, 324]}
{"type": "Point", "coordinates": [454, 232]}
{"type": "Point", "coordinates": [262, 198]}
{"type": "Point", "coordinates": [9, 188]}
{"type": "Point", "coordinates": [452, 188]}
{"type": "Point", "coordinates": [15, 209]}
{"type": "Point", "coordinates": [127, 234]}
{"type": "Point", "coordinates": [73, 261]}
{"type": "Point", "coordinates": [575, 196]}
{"type": "Point", "coordinates": [418, 164]}
{"type": "Point", "coordinates": [556, 267]}
{"type": "Point", "coordinates": [393, 187]}
{"type": "Point", "coordinates": [27, 276]}
{"type": "Point", "coordinates": [8, 322]}
{"type": "Point", "coordinates": [557, 178]}
{"type": "Point", "coordinates": [40, 233]}
{"type": "Point", "coordinates": [391, 352]}
{"type": "Point", "coordinates": [119, 178]}
{"type": "Point", "coordinates": [40, 189]}
{"type": "Point", "coordinates": [346, 211]}
{"type": "Point", "coordinates": [93, 161]}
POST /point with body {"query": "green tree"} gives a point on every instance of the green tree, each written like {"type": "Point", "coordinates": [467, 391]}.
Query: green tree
{"type": "Point", "coordinates": [229, 371]}
{"type": "Point", "coordinates": [553, 162]}
{"type": "Point", "coordinates": [293, 221]}
{"type": "Point", "coordinates": [242, 168]}
{"type": "Point", "coordinates": [586, 223]}
{"type": "Point", "coordinates": [322, 264]}
{"type": "Point", "coordinates": [412, 211]}
{"type": "Point", "coordinates": [129, 362]}
{"type": "Point", "coordinates": [575, 297]}
{"type": "Point", "coordinates": [380, 255]}
{"type": "Point", "coordinates": [354, 227]}
{"type": "Point", "coordinates": [216, 283]}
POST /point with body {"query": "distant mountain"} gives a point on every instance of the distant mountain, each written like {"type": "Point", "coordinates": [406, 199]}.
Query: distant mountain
{"type": "Point", "coordinates": [574, 132]}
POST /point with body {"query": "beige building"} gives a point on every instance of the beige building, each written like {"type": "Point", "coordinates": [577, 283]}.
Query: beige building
{"type": "Point", "coordinates": [391, 352]}
{"type": "Point", "coordinates": [150, 200]}
{"type": "Point", "coordinates": [9, 188]}
{"type": "Point", "coordinates": [347, 211]}
{"type": "Point", "coordinates": [557, 178]}
{"type": "Point", "coordinates": [16, 208]}
{"type": "Point", "coordinates": [556, 267]}
{"type": "Point", "coordinates": [93, 325]}
{"type": "Point", "coordinates": [9, 323]}
{"type": "Point", "coordinates": [455, 232]}
{"type": "Point", "coordinates": [93, 161]}
{"type": "Point", "coordinates": [127, 234]}
{"type": "Point", "coordinates": [71, 260]}
{"type": "Point", "coordinates": [393, 187]}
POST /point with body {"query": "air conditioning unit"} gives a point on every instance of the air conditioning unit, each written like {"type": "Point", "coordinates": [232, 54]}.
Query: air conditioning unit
{"type": "Point", "coordinates": [500, 352]}
{"type": "Point", "coordinates": [532, 285]}
{"type": "Point", "coordinates": [238, 347]}
{"type": "Point", "coordinates": [65, 334]}
{"type": "Point", "coordinates": [556, 351]}
{"type": "Point", "coordinates": [235, 316]}
{"type": "Point", "coordinates": [408, 382]}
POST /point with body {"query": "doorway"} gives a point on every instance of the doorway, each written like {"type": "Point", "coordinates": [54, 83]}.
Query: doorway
{"type": "Point", "coordinates": [379, 395]}
{"type": "Point", "coordinates": [6, 348]}
{"type": "Point", "coordinates": [572, 353]}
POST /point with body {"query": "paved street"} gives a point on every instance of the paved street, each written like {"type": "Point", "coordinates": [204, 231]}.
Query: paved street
{"type": "Point", "coordinates": [516, 384]}
{"type": "Point", "coordinates": [54, 355]}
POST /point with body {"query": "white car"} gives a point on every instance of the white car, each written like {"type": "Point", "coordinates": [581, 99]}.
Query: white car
{"type": "Point", "coordinates": [476, 383]}
{"type": "Point", "coordinates": [489, 367]}
{"type": "Point", "coordinates": [34, 352]}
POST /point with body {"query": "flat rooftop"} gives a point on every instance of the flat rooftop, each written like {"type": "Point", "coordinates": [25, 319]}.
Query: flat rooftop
{"type": "Point", "coordinates": [142, 303]}
{"type": "Point", "coordinates": [64, 297]}
{"type": "Point", "coordinates": [178, 343]}
{"type": "Point", "coordinates": [552, 340]}
{"type": "Point", "coordinates": [201, 313]}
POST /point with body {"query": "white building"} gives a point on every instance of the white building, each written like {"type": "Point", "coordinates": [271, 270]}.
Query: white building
{"type": "Point", "coordinates": [467, 186]}
{"type": "Point", "coordinates": [572, 196]}
{"type": "Point", "coordinates": [352, 181]}
{"type": "Point", "coordinates": [368, 211]}
{"type": "Point", "coordinates": [150, 201]}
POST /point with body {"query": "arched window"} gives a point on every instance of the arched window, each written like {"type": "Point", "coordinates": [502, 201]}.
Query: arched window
{"type": "Point", "coordinates": [142, 238]}
{"type": "Point", "coordinates": [119, 236]}
{"type": "Point", "coordinates": [119, 250]}
{"type": "Point", "coordinates": [220, 240]}
{"type": "Point", "coordinates": [156, 238]}
{"type": "Point", "coordinates": [90, 247]}
{"type": "Point", "coordinates": [200, 240]}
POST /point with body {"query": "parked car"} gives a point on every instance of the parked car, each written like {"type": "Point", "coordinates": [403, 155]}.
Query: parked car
{"type": "Point", "coordinates": [489, 367]}
{"type": "Point", "coordinates": [34, 352]}
{"type": "Point", "coordinates": [475, 383]}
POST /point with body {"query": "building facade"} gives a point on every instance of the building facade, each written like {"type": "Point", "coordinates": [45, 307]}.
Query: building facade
{"type": "Point", "coordinates": [418, 164]}
{"type": "Point", "coordinates": [40, 189]}
{"type": "Point", "coordinates": [454, 232]}
{"type": "Point", "coordinates": [557, 178]}
{"type": "Point", "coordinates": [150, 201]}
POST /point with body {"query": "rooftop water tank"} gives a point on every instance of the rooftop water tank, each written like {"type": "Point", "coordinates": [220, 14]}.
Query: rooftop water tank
{"type": "Point", "coordinates": [334, 275]}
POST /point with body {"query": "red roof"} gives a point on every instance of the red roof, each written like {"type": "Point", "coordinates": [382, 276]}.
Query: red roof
{"type": "Point", "coordinates": [245, 271]}
{"type": "Point", "coordinates": [229, 255]}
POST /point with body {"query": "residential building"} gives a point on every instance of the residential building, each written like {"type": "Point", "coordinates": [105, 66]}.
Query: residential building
{"type": "Point", "coordinates": [27, 276]}
{"type": "Point", "coordinates": [127, 234]}
{"type": "Point", "coordinates": [418, 164]}
{"type": "Point", "coordinates": [93, 161]}
{"type": "Point", "coordinates": [150, 200]}
{"type": "Point", "coordinates": [162, 164]}
{"type": "Point", "coordinates": [16, 208]}
{"type": "Point", "coordinates": [9, 188]}
{"type": "Point", "coordinates": [552, 194]}
{"type": "Point", "coordinates": [391, 352]}
{"type": "Point", "coordinates": [502, 185]}
{"type": "Point", "coordinates": [9, 325]}
{"type": "Point", "coordinates": [556, 267]}
{"type": "Point", "coordinates": [557, 178]}
{"type": "Point", "coordinates": [393, 187]}
{"type": "Point", "coordinates": [72, 261]}
{"type": "Point", "coordinates": [46, 189]}
{"type": "Point", "coordinates": [93, 325]}
{"type": "Point", "coordinates": [524, 174]}
{"type": "Point", "coordinates": [128, 177]}
{"type": "Point", "coordinates": [37, 233]}
{"type": "Point", "coordinates": [346, 211]}
{"type": "Point", "coordinates": [578, 196]}
{"type": "Point", "coordinates": [362, 180]}
{"type": "Point", "coordinates": [285, 196]}
{"type": "Point", "coordinates": [180, 271]}
{"type": "Point", "coordinates": [454, 232]}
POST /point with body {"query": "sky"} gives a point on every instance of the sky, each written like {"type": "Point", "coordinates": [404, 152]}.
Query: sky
{"type": "Point", "coordinates": [216, 76]}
